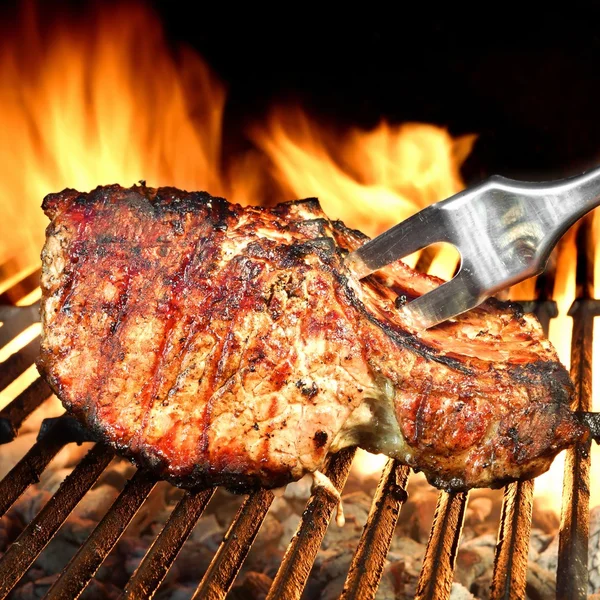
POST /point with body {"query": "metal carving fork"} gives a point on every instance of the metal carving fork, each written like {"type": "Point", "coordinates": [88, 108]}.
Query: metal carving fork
{"type": "Point", "coordinates": [503, 229]}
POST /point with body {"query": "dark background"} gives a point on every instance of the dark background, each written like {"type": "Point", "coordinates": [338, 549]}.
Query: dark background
{"type": "Point", "coordinates": [528, 85]}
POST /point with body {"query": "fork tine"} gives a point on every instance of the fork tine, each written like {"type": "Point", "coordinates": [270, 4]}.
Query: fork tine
{"type": "Point", "coordinates": [415, 233]}
{"type": "Point", "coordinates": [444, 302]}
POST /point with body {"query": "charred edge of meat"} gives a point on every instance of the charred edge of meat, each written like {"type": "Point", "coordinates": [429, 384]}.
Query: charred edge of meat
{"type": "Point", "coordinates": [155, 201]}
{"type": "Point", "coordinates": [542, 374]}
{"type": "Point", "coordinates": [201, 477]}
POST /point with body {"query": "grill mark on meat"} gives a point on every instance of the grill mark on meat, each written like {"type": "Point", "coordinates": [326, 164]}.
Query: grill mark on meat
{"type": "Point", "coordinates": [267, 432]}
{"type": "Point", "coordinates": [121, 303]}
{"type": "Point", "coordinates": [173, 310]}
{"type": "Point", "coordinates": [421, 410]}
{"type": "Point", "coordinates": [111, 341]}
{"type": "Point", "coordinates": [77, 258]}
{"type": "Point", "coordinates": [222, 352]}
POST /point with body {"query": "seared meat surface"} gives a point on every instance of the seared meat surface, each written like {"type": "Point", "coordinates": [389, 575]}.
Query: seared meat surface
{"type": "Point", "coordinates": [217, 344]}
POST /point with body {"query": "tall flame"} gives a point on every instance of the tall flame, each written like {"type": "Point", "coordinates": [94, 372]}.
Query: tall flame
{"type": "Point", "coordinates": [398, 169]}
{"type": "Point", "coordinates": [109, 102]}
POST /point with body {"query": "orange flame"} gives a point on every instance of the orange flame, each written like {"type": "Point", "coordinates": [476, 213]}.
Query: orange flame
{"type": "Point", "coordinates": [110, 103]}
{"type": "Point", "coordinates": [84, 108]}
{"type": "Point", "coordinates": [398, 169]}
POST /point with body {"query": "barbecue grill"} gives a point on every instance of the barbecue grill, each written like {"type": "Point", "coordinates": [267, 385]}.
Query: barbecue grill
{"type": "Point", "coordinates": [510, 565]}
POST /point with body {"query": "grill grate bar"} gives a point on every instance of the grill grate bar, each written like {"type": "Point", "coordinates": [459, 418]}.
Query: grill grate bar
{"type": "Point", "coordinates": [23, 287]}
{"type": "Point", "coordinates": [13, 415]}
{"type": "Point", "coordinates": [19, 362]}
{"type": "Point", "coordinates": [510, 563]}
{"type": "Point", "coordinates": [302, 550]}
{"type": "Point", "coordinates": [435, 581]}
{"type": "Point", "coordinates": [16, 319]}
{"type": "Point", "coordinates": [369, 559]}
{"type": "Point", "coordinates": [52, 438]}
{"type": "Point", "coordinates": [234, 548]}
{"type": "Point", "coordinates": [21, 554]}
{"type": "Point", "coordinates": [163, 552]}
{"type": "Point", "coordinates": [82, 567]}
{"type": "Point", "coordinates": [512, 549]}
{"type": "Point", "coordinates": [572, 573]}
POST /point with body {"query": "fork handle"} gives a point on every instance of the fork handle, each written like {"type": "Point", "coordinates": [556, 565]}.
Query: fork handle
{"type": "Point", "coordinates": [571, 198]}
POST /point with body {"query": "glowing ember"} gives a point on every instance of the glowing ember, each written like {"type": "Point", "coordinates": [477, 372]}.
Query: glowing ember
{"type": "Point", "coordinates": [83, 107]}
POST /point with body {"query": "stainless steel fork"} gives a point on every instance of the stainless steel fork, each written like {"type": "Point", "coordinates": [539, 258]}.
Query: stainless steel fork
{"type": "Point", "coordinates": [503, 229]}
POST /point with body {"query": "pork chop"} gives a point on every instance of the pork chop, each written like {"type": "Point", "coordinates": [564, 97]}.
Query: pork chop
{"type": "Point", "coordinates": [219, 344]}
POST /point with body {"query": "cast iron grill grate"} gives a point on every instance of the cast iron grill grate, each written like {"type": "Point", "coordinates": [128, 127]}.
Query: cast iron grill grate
{"type": "Point", "coordinates": [510, 566]}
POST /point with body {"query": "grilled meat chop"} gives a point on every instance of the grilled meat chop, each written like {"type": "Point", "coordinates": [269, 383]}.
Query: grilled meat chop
{"type": "Point", "coordinates": [217, 344]}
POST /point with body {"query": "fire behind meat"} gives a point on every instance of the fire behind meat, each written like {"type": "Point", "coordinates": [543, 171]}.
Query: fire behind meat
{"type": "Point", "coordinates": [216, 344]}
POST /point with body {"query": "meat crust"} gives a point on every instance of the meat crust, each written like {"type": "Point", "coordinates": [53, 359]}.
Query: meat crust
{"type": "Point", "coordinates": [222, 345]}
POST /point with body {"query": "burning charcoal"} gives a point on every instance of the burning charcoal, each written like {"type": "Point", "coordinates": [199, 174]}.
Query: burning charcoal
{"type": "Point", "coordinates": [478, 510]}
{"type": "Point", "coordinates": [405, 577]}
{"type": "Point", "coordinates": [14, 452]}
{"type": "Point", "coordinates": [424, 503]}
{"type": "Point", "coordinates": [280, 509]}
{"type": "Point", "coordinates": [289, 529]}
{"type": "Point", "coordinates": [30, 503]}
{"type": "Point", "coordinates": [460, 593]}
{"type": "Point", "coordinates": [225, 506]}
{"type": "Point", "coordinates": [77, 530]}
{"type": "Point", "coordinates": [472, 562]}
{"type": "Point", "coordinates": [56, 555]}
{"type": "Point", "coordinates": [38, 589]}
{"type": "Point", "coordinates": [27, 592]}
{"type": "Point", "coordinates": [270, 531]}
{"type": "Point", "coordinates": [541, 584]}
{"type": "Point", "coordinates": [190, 565]}
{"type": "Point", "coordinates": [113, 570]}
{"type": "Point", "coordinates": [10, 527]}
{"type": "Point", "coordinates": [252, 585]}
{"type": "Point", "coordinates": [548, 559]}
{"type": "Point", "coordinates": [539, 540]}
{"type": "Point", "coordinates": [356, 511]}
{"type": "Point", "coordinates": [386, 590]}
{"type": "Point", "coordinates": [594, 551]}
{"type": "Point", "coordinates": [332, 570]}
{"type": "Point", "coordinates": [179, 592]}
{"type": "Point", "coordinates": [96, 503]}
{"type": "Point", "coordinates": [132, 550]}
{"type": "Point", "coordinates": [100, 591]}
{"type": "Point", "coordinates": [481, 541]}
{"type": "Point", "coordinates": [299, 490]}
{"type": "Point", "coordinates": [117, 474]}
{"type": "Point", "coordinates": [545, 519]}
{"type": "Point", "coordinates": [480, 588]}
{"type": "Point", "coordinates": [208, 532]}
{"type": "Point", "coordinates": [406, 548]}
{"type": "Point", "coordinates": [151, 510]}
